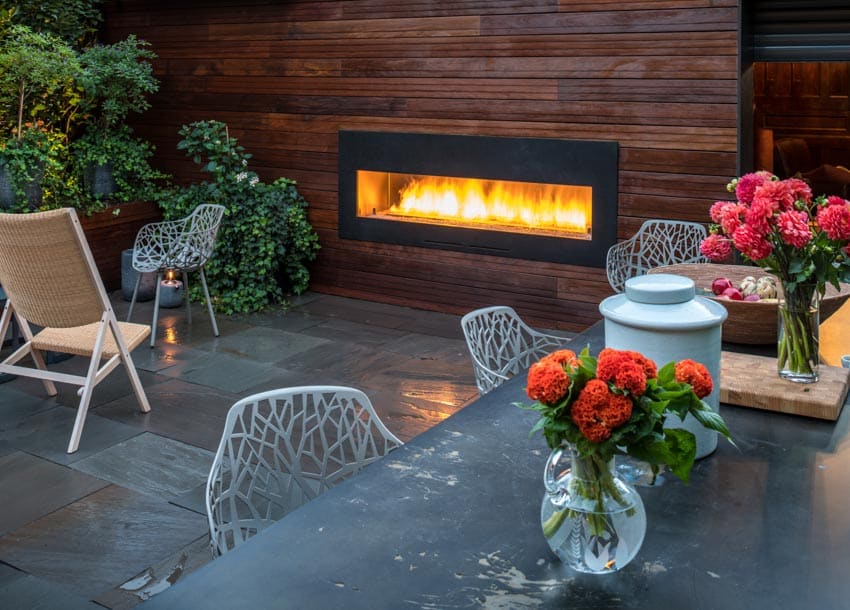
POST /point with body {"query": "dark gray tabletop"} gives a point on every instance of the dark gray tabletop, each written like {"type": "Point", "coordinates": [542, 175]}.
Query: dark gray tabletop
{"type": "Point", "coordinates": [451, 520]}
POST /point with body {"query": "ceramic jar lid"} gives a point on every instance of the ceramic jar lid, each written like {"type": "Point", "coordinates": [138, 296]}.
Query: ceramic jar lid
{"type": "Point", "coordinates": [662, 301]}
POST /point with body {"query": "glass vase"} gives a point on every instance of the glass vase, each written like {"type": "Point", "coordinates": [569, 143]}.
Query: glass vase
{"type": "Point", "coordinates": [591, 518]}
{"type": "Point", "coordinates": [797, 346]}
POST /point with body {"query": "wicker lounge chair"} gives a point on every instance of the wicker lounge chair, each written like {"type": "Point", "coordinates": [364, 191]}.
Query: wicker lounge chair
{"type": "Point", "coordinates": [51, 280]}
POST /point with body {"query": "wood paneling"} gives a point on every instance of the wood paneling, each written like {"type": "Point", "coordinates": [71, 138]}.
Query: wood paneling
{"type": "Point", "coordinates": [657, 76]}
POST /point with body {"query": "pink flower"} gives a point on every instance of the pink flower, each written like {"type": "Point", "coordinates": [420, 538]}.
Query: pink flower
{"type": "Point", "coordinates": [732, 217]}
{"type": "Point", "coordinates": [751, 243]}
{"type": "Point", "coordinates": [760, 214]}
{"type": "Point", "coordinates": [716, 247]}
{"type": "Point", "coordinates": [748, 183]}
{"type": "Point", "coordinates": [800, 189]}
{"type": "Point", "coordinates": [834, 219]}
{"type": "Point", "coordinates": [778, 193]}
{"type": "Point", "coordinates": [794, 228]}
{"type": "Point", "coordinates": [835, 200]}
{"type": "Point", "coordinates": [716, 211]}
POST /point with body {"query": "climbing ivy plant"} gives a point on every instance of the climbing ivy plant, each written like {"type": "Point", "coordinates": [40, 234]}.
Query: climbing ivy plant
{"type": "Point", "coordinates": [265, 239]}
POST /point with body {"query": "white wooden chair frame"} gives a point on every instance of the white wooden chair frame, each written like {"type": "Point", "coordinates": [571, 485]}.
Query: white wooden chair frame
{"type": "Point", "coordinates": [51, 280]}
{"type": "Point", "coordinates": [502, 345]}
{"type": "Point", "coordinates": [282, 448]}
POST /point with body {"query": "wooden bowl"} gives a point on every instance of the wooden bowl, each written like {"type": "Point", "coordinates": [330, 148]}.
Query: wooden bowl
{"type": "Point", "coordinates": [749, 322]}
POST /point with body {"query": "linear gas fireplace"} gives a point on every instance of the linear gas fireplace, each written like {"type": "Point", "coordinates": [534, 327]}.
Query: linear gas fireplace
{"type": "Point", "coordinates": [537, 199]}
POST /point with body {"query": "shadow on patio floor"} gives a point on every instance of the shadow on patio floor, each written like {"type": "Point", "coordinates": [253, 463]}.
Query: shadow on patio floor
{"type": "Point", "coordinates": [124, 516]}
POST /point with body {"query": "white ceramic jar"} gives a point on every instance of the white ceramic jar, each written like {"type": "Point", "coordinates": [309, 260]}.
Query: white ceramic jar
{"type": "Point", "coordinates": [659, 316]}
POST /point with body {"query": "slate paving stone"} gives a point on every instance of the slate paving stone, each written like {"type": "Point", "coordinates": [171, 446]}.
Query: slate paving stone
{"type": "Point", "coordinates": [355, 332]}
{"type": "Point", "coordinates": [364, 312]}
{"type": "Point", "coordinates": [34, 487]}
{"type": "Point", "coordinates": [158, 577]}
{"type": "Point", "coordinates": [344, 361]}
{"type": "Point", "coordinates": [180, 410]}
{"type": "Point", "coordinates": [47, 435]}
{"type": "Point", "coordinates": [194, 499]}
{"type": "Point", "coordinates": [428, 347]}
{"type": "Point", "coordinates": [282, 319]}
{"type": "Point", "coordinates": [103, 539]}
{"type": "Point", "coordinates": [16, 405]}
{"type": "Point", "coordinates": [150, 464]}
{"type": "Point", "coordinates": [263, 344]}
{"type": "Point", "coordinates": [222, 371]}
{"type": "Point", "coordinates": [31, 593]}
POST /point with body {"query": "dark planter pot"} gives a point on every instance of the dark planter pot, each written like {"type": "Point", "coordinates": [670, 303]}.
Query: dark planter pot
{"type": "Point", "coordinates": [100, 181]}
{"type": "Point", "coordinates": [147, 287]}
{"type": "Point", "coordinates": [32, 191]}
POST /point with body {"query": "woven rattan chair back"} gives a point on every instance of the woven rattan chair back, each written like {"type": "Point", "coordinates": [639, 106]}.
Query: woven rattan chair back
{"type": "Point", "coordinates": [51, 280]}
{"type": "Point", "coordinates": [41, 258]}
{"type": "Point", "coordinates": [501, 345]}
{"type": "Point", "coordinates": [656, 243]}
{"type": "Point", "coordinates": [181, 246]}
{"type": "Point", "coordinates": [282, 448]}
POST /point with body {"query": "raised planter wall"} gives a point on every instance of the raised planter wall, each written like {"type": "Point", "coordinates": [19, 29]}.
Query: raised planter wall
{"type": "Point", "coordinates": [659, 78]}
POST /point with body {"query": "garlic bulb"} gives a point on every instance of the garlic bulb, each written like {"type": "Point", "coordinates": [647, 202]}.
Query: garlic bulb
{"type": "Point", "coordinates": [766, 287]}
{"type": "Point", "coordinates": [748, 286]}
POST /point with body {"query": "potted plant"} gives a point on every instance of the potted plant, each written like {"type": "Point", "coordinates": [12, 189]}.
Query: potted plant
{"type": "Point", "coordinates": [38, 100]}
{"type": "Point", "coordinates": [109, 160]}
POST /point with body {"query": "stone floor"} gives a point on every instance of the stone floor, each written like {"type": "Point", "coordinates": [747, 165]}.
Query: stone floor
{"type": "Point", "coordinates": [123, 517]}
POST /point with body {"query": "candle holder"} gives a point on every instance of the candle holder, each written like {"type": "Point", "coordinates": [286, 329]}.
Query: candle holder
{"type": "Point", "coordinates": [170, 293]}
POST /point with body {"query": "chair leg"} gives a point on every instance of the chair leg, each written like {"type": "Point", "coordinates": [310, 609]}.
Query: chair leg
{"type": "Point", "coordinates": [88, 388]}
{"type": "Point", "coordinates": [186, 296]}
{"type": "Point", "coordinates": [155, 308]}
{"type": "Point", "coordinates": [135, 292]}
{"type": "Point", "coordinates": [130, 367]}
{"type": "Point", "coordinates": [209, 302]}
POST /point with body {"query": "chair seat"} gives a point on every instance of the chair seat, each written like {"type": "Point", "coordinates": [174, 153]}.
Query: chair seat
{"type": "Point", "coordinates": [79, 340]}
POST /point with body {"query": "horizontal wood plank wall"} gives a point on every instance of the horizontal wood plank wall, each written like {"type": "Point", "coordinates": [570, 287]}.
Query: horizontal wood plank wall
{"type": "Point", "coordinates": [657, 76]}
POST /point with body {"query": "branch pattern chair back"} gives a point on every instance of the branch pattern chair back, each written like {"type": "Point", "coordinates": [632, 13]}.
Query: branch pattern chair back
{"type": "Point", "coordinates": [178, 245]}
{"type": "Point", "coordinates": [502, 345]}
{"type": "Point", "coordinates": [282, 448]}
{"type": "Point", "coordinates": [51, 280]}
{"type": "Point", "coordinates": [656, 243]}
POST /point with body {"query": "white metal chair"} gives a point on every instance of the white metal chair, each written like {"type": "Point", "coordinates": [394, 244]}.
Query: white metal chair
{"type": "Point", "coordinates": [656, 243]}
{"type": "Point", "coordinates": [282, 448]}
{"type": "Point", "coordinates": [502, 345]}
{"type": "Point", "coordinates": [181, 246]}
{"type": "Point", "coordinates": [51, 280]}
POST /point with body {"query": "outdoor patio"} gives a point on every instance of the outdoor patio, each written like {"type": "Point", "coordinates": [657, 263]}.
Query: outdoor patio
{"type": "Point", "coordinates": [124, 517]}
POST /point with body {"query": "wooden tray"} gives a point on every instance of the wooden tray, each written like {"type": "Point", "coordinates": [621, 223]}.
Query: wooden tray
{"type": "Point", "coordinates": [751, 323]}
{"type": "Point", "coordinates": [751, 381]}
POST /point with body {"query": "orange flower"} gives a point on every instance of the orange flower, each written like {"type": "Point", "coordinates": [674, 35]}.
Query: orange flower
{"type": "Point", "coordinates": [648, 365]}
{"type": "Point", "coordinates": [624, 370]}
{"type": "Point", "coordinates": [547, 382]}
{"type": "Point", "coordinates": [597, 411]}
{"type": "Point", "coordinates": [564, 357]}
{"type": "Point", "coordinates": [695, 373]}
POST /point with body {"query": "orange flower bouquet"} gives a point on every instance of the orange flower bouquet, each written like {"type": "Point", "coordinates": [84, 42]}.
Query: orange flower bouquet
{"type": "Point", "coordinates": [598, 408]}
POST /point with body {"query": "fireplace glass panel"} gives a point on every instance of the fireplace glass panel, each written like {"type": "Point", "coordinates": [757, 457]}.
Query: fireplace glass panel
{"type": "Point", "coordinates": [500, 205]}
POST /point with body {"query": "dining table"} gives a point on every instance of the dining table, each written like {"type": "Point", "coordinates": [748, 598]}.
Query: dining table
{"type": "Point", "coordinates": [452, 520]}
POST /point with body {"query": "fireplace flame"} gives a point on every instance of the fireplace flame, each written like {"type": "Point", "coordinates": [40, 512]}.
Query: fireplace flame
{"type": "Point", "coordinates": [496, 202]}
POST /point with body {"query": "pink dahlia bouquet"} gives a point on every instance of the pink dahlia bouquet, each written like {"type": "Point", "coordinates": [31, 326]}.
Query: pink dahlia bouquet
{"type": "Point", "coordinates": [803, 240]}
{"type": "Point", "coordinates": [779, 226]}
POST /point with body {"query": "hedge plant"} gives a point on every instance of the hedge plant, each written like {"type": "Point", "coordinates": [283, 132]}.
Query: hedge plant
{"type": "Point", "coordinates": [265, 239]}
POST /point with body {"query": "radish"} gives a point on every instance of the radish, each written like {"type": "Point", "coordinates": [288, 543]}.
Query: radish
{"type": "Point", "coordinates": [720, 284]}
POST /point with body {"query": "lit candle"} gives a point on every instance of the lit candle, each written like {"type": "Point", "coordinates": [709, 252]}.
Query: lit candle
{"type": "Point", "coordinates": [170, 291]}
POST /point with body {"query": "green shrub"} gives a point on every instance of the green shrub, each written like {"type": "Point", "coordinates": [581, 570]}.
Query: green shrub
{"type": "Point", "coordinates": [265, 238]}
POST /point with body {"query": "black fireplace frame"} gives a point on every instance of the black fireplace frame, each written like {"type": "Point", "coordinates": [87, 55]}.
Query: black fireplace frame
{"type": "Point", "coordinates": [545, 160]}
